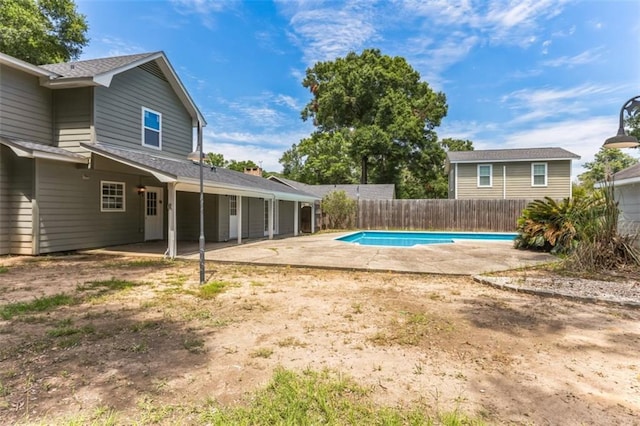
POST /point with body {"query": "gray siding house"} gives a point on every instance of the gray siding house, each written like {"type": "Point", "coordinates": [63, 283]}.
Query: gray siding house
{"type": "Point", "coordinates": [626, 186]}
{"type": "Point", "coordinates": [94, 153]}
{"type": "Point", "coordinates": [510, 173]}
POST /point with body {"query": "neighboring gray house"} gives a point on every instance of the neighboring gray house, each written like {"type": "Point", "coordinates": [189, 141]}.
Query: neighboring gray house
{"type": "Point", "coordinates": [626, 185]}
{"type": "Point", "coordinates": [354, 191]}
{"type": "Point", "coordinates": [93, 153]}
{"type": "Point", "coordinates": [510, 173]}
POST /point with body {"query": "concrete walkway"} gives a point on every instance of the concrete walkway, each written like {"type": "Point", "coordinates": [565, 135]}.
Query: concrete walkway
{"type": "Point", "coordinates": [321, 250]}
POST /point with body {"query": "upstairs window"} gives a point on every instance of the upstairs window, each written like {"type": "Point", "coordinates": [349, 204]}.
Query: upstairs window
{"type": "Point", "coordinates": [485, 173]}
{"type": "Point", "coordinates": [539, 174]}
{"type": "Point", "coordinates": [112, 196]}
{"type": "Point", "coordinates": [151, 128]}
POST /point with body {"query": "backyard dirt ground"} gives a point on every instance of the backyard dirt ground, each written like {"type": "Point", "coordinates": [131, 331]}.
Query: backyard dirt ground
{"type": "Point", "coordinates": [138, 340]}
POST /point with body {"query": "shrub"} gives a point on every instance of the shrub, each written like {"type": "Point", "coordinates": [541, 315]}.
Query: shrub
{"type": "Point", "coordinates": [340, 209]}
{"type": "Point", "coordinates": [557, 227]}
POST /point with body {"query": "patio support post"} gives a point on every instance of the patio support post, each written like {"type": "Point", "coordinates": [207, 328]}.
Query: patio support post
{"type": "Point", "coordinates": [313, 217]}
{"type": "Point", "coordinates": [239, 216]}
{"type": "Point", "coordinates": [271, 209]}
{"type": "Point", "coordinates": [171, 208]}
{"type": "Point", "coordinates": [201, 238]}
{"type": "Point", "coordinates": [296, 208]}
{"type": "Point", "coordinates": [198, 156]}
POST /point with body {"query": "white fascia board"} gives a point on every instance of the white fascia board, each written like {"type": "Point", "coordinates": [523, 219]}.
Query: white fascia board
{"type": "Point", "coordinates": [180, 90]}
{"type": "Point", "coordinates": [628, 181]}
{"type": "Point", "coordinates": [511, 161]}
{"type": "Point", "coordinates": [162, 177]}
{"type": "Point", "coordinates": [68, 83]}
{"type": "Point", "coordinates": [16, 63]}
{"type": "Point", "coordinates": [59, 157]}
{"type": "Point", "coordinates": [23, 153]}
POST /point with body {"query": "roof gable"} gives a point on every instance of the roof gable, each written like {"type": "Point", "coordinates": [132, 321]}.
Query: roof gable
{"type": "Point", "coordinates": [100, 72]}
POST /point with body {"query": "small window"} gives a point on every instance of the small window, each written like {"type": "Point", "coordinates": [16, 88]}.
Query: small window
{"type": "Point", "coordinates": [151, 128]}
{"type": "Point", "coordinates": [485, 172]}
{"type": "Point", "coordinates": [233, 206]}
{"type": "Point", "coordinates": [112, 197]}
{"type": "Point", "coordinates": [539, 174]}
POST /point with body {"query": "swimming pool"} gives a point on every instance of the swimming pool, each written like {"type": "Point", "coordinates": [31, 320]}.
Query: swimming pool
{"type": "Point", "coordinates": [410, 239]}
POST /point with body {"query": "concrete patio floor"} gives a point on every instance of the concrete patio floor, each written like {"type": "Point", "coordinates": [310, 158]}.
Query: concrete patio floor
{"type": "Point", "coordinates": [322, 250]}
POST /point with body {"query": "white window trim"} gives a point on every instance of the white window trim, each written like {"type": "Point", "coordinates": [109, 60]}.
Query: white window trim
{"type": "Point", "coordinates": [546, 174]}
{"type": "Point", "coordinates": [490, 175]}
{"type": "Point", "coordinates": [159, 147]}
{"type": "Point", "coordinates": [124, 197]}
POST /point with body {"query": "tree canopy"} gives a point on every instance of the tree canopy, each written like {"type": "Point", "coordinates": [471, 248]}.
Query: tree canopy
{"type": "Point", "coordinates": [218, 160]}
{"type": "Point", "coordinates": [374, 122]}
{"type": "Point", "coordinates": [606, 162]}
{"type": "Point", "coordinates": [42, 31]}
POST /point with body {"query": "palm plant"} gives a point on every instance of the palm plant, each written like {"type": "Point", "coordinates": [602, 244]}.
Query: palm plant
{"type": "Point", "coordinates": [558, 226]}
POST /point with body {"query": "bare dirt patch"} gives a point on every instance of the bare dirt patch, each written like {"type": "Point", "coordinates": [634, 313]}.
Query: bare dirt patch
{"type": "Point", "coordinates": [437, 342]}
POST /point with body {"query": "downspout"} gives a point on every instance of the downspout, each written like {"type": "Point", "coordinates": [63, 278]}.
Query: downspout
{"type": "Point", "coordinates": [504, 182]}
{"type": "Point", "coordinates": [455, 183]}
{"type": "Point", "coordinates": [271, 212]}
{"type": "Point", "coordinates": [35, 209]}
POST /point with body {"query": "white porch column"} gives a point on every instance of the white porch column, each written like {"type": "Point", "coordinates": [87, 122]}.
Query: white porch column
{"type": "Point", "coordinates": [171, 226]}
{"type": "Point", "coordinates": [296, 206]}
{"type": "Point", "coordinates": [313, 217]}
{"type": "Point", "coordinates": [271, 209]}
{"type": "Point", "coordinates": [239, 216]}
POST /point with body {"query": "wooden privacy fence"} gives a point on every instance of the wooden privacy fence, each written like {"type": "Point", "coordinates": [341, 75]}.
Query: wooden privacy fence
{"type": "Point", "coordinates": [445, 215]}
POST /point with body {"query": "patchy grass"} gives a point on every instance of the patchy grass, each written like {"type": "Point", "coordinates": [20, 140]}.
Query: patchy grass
{"type": "Point", "coordinates": [291, 342]}
{"type": "Point", "coordinates": [195, 345]}
{"type": "Point", "coordinates": [3, 269]}
{"type": "Point", "coordinates": [323, 398]}
{"type": "Point", "coordinates": [104, 286]}
{"type": "Point", "coordinates": [411, 329]}
{"type": "Point", "coordinates": [42, 304]}
{"type": "Point", "coordinates": [262, 353]}
{"type": "Point", "coordinates": [212, 289]}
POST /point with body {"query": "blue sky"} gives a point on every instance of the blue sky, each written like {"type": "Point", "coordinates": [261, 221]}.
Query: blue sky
{"type": "Point", "coordinates": [517, 74]}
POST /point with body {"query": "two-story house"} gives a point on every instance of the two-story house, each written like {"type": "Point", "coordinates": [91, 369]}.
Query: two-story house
{"type": "Point", "coordinates": [528, 173]}
{"type": "Point", "coordinates": [94, 153]}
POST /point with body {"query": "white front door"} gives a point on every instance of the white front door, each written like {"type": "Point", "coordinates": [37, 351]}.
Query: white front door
{"type": "Point", "coordinates": [233, 216]}
{"type": "Point", "coordinates": [153, 216]}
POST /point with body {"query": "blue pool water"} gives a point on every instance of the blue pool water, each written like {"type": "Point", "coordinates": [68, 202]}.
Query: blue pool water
{"type": "Point", "coordinates": [410, 239]}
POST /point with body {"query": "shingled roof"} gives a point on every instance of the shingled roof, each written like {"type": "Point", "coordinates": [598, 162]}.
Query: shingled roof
{"type": "Point", "coordinates": [93, 67]}
{"type": "Point", "coordinates": [628, 175]}
{"type": "Point", "coordinates": [503, 155]}
{"type": "Point", "coordinates": [355, 191]}
{"type": "Point", "coordinates": [169, 169]}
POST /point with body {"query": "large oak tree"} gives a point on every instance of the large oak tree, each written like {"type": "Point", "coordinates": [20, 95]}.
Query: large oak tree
{"type": "Point", "coordinates": [42, 31]}
{"type": "Point", "coordinates": [374, 119]}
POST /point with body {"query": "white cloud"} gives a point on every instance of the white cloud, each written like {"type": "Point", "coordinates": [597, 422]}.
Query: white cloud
{"type": "Point", "coordinates": [205, 9]}
{"type": "Point", "coordinates": [571, 61]}
{"type": "Point", "coordinates": [265, 147]}
{"type": "Point", "coordinates": [581, 136]}
{"type": "Point", "coordinates": [530, 105]}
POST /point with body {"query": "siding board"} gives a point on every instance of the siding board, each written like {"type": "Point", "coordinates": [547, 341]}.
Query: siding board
{"type": "Point", "coordinates": [118, 115]}
{"type": "Point", "coordinates": [25, 107]}
{"type": "Point", "coordinates": [518, 181]}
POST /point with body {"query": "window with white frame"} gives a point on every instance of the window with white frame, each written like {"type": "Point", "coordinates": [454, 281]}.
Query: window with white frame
{"type": "Point", "coordinates": [539, 174]}
{"type": "Point", "coordinates": [233, 205]}
{"type": "Point", "coordinates": [485, 173]}
{"type": "Point", "coordinates": [151, 128]}
{"type": "Point", "coordinates": [112, 196]}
